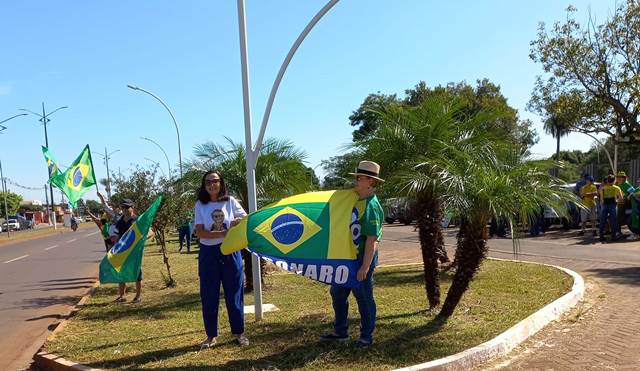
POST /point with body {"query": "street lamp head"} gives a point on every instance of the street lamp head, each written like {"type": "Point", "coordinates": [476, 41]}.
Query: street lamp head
{"type": "Point", "coordinates": [132, 87]}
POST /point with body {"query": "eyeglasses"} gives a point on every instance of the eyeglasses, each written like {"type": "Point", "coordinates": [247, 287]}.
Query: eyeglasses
{"type": "Point", "coordinates": [212, 181]}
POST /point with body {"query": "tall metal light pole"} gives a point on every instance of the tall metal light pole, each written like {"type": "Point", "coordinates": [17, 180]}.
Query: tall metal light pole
{"type": "Point", "coordinates": [2, 180]}
{"type": "Point", "coordinates": [106, 158]}
{"type": "Point", "coordinates": [44, 118]}
{"type": "Point", "coordinates": [4, 192]}
{"type": "Point", "coordinates": [163, 151]}
{"type": "Point", "coordinates": [252, 152]}
{"type": "Point", "coordinates": [172, 117]}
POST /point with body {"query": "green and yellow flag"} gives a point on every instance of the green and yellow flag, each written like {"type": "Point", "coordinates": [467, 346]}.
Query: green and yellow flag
{"type": "Point", "coordinates": [314, 234]}
{"type": "Point", "coordinates": [78, 178]}
{"type": "Point", "coordinates": [52, 164]}
{"type": "Point", "coordinates": [123, 262]}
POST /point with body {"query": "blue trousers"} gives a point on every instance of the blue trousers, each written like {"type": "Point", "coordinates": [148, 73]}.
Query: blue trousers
{"type": "Point", "coordinates": [366, 306]}
{"type": "Point", "coordinates": [184, 232]}
{"type": "Point", "coordinates": [215, 268]}
{"type": "Point", "coordinates": [608, 211]}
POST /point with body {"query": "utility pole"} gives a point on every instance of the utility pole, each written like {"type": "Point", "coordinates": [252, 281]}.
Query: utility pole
{"type": "Point", "coordinates": [44, 119]}
{"type": "Point", "coordinates": [106, 158]}
{"type": "Point", "coordinates": [4, 192]}
{"type": "Point", "coordinates": [46, 197]}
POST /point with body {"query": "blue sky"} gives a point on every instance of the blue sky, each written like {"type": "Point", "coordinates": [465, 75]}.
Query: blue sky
{"type": "Point", "coordinates": [83, 54]}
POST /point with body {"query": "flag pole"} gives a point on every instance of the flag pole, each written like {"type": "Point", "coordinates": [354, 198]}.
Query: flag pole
{"type": "Point", "coordinates": [92, 168]}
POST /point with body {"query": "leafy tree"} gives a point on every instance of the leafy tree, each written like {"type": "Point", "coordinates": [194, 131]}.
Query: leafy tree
{"type": "Point", "coordinates": [595, 69]}
{"type": "Point", "coordinates": [13, 203]}
{"type": "Point", "coordinates": [365, 118]}
{"type": "Point", "coordinates": [337, 170]}
{"type": "Point", "coordinates": [280, 172]}
{"type": "Point", "coordinates": [470, 100]}
{"type": "Point", "coordinates": [94, 206]}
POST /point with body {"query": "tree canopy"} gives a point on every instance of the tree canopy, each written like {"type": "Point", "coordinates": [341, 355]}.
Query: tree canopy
{"type": "Point", "coordinates": [13, 203]}
{"type": "Point", "coordinates": [591, 72]}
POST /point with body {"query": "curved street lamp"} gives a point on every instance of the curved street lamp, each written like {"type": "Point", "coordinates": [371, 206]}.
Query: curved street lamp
{"type": "Point", "coordinates": [157, 164]}
{"type": "Point", "coordinates": [106, 158]}
{"type": "Point", "coordinates": [10, 118]}
{"type": "Point", "coordinates": [252, 152]}
{"type": "Point", "coordinates": [163, 151]}
{"type": "Point", "coordinates": [172, 117]}
{"type": "Point", "coordinates": [44, 118]}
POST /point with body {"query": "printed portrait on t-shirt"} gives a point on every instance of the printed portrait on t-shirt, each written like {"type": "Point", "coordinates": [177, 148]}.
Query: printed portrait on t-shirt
{"type": "Point", "coordinates": [218, 221]}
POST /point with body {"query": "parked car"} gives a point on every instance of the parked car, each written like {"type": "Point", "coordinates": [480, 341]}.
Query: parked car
{"type": "Point", "coordinates": [24, 222]}
{"type": "Point", "coordinates": [399, 209]}
{"type": "Point", "coordinates": [11, 224]}
{"type": "Point", "coordinates": [571, 217]}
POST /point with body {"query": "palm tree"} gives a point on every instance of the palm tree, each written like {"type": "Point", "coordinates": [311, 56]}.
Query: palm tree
{"type": "Point", "coordinates": [556, 125]}
{"type": "Point", "coordinates": [280, 172]}
{"type": "Point", "coordinates": [504, 185]}
{"type": "Point", "coordinates": [411, 145]}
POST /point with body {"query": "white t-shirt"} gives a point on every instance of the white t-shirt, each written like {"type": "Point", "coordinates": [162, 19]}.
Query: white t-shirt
{"type": "Point", "coordinates": [223, 211]}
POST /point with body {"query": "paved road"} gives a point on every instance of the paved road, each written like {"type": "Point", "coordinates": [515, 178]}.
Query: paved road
{"type": "Point", "coordinates": [602, 334]}
{"type": "Point", "coordinates": [40, 280]}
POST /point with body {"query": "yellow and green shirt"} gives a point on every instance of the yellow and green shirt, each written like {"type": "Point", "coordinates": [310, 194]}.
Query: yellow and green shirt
{"type": "Point", "coordinates": [588, 201]}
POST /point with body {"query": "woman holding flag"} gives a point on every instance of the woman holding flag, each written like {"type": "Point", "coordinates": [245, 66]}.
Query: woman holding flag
{"type": "Point", "coordinates": [215, 213]}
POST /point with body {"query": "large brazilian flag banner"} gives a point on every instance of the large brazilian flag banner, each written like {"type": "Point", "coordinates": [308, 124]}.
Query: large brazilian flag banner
{"type": "Point", "coordinates": [314, 234]}
{"type": "Point", "coordinates": [52, 164]}
{"type": "Point", "coordinates": [78, 178]}
{"type": "Point", "coordinates": [124, 260]}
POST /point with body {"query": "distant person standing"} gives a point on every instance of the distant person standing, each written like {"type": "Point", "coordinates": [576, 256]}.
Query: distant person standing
{"type": "Point", "coordinates": [610, 195]}
{"type": "Point", "coordinates": [184, 234]}
{"type": "Point", "coordinates": [588, 193]}
{"type": "Point", "coordinates": [627, 189]}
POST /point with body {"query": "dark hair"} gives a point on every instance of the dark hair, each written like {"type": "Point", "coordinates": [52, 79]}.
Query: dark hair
{"type": "Point", "coordinates": [611, 179]}
{"type": "Point", "coordinates": [203, 195]}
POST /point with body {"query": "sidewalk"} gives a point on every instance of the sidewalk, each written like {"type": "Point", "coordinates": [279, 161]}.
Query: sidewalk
{"type": "Point", "coordinates": [603, 333]}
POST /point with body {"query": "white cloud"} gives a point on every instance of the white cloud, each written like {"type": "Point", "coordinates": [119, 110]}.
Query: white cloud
{"type": "Point", "coordinates": [5, 89]}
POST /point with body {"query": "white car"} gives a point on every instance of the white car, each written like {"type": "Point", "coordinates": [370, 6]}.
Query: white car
{"type": "Point", "coordinates": [13, 224]}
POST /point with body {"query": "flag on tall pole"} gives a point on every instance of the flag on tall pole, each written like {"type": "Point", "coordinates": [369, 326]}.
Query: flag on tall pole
{"type": "Point", "coordinates": [124, 260]}
{"type": "Point", "coordinates": [78, 178]}
{"type": "Point", "coordinates": [52, 164]}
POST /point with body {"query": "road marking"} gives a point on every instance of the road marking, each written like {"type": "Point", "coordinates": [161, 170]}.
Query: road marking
{"type": "Point", "coordinates": [72, 240]}
{"type": "Point", "coordinates": [18, 258]}
{"type": "Point", "coordinates": [51, 247]}
{"type": "Point", "coordinates": [91, 234]}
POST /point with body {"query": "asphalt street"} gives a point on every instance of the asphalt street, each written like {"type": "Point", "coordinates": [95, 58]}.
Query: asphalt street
{"type": "Point", "coordinates": [40, 281]}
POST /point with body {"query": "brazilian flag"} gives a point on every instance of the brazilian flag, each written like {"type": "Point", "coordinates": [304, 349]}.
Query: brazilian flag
{"type": "Point", "coordinates": [52, 164]}
{"type": "Point", "coordinates": [314, 234]}
{"type": "Point", "coordinates": [78, 178]}
{"type": "Point", "coordinates": [124, 260]}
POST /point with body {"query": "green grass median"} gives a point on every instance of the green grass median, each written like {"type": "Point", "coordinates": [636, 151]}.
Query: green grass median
{"type": "Point", "coordinates": [163, 332]}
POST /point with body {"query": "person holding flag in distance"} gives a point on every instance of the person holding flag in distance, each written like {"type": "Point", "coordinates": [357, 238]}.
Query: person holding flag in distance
{"type": "Point", "coordinates": [215, 213]}
{"type": "Point", "coordinates": [368, 236]}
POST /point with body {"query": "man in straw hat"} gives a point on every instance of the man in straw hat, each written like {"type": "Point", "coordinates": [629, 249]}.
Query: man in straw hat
{"type": "Point", "coordinates": [367, 231]}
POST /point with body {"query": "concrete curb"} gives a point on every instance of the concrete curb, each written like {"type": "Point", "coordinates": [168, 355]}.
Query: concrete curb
{"type": "Point", "coordinates": [51, 362]}
{"type": "Point", "coordinates": [514, 336]}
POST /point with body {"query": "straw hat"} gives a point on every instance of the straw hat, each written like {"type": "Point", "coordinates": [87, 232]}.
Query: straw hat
{"type": "Point", "coordinates": [368, 168]}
